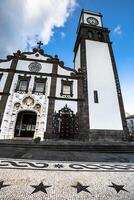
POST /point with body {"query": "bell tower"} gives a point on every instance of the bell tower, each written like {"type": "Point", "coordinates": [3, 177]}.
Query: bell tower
{"type": "Point", "coordinates": [101, 112]}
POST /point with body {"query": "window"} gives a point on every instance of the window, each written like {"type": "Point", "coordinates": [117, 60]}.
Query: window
{"type": "Point", "coordinates": [96, 97]}
{"type": "Point", "coordinates": [39, 85]}
{"type": "Point", "coordinates": [23, 83]}
{"type": "Point", "coordinates": [66, 88]}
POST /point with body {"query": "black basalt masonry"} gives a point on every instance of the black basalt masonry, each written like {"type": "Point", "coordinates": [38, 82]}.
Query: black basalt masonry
{"type": "Point", "coordinates": [7, 87]}
{"type": "Point", "coordinates": [80, 104]}
{"type": "Point", "coordinates": [51, 105]}
{"type": "Point", "coordinates": [120, 99]}
{"type": "Point", "coordinates": [84, 109]}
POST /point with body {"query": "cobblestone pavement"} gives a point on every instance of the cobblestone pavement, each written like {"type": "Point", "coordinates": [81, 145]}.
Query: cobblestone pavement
{"type": "Point", "coordinates": [43, 180]}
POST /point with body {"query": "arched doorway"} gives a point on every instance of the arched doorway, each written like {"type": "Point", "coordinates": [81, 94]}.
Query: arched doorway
{"type": "Point", "coordinates": [25, 124]}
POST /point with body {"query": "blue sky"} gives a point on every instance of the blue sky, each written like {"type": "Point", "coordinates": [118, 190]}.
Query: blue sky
{"type": "Point", "coordinates": [25, 22]}
{"type": "Point", "coordinates": [118, 17]}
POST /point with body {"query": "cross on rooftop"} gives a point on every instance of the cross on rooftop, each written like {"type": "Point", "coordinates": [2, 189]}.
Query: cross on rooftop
{"type": "Point", "coordinates": [39, 43]}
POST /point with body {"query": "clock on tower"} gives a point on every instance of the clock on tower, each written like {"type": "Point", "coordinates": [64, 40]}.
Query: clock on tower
{"type": "Point", "coordinates": [101, 112]}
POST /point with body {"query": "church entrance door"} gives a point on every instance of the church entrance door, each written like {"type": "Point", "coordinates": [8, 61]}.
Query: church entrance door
{"type": "Point", "coordinates": [25, 124]}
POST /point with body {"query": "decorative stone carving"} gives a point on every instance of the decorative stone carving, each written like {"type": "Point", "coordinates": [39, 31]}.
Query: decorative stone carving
{"type": "Point", "coordinates": [35, 67]}
{"type": "Point", "coordinates": [29, 101]}
{"type": "Point", "coordinates": [17, 106]}
{"type": "Point", "coordinates": [37, 107]}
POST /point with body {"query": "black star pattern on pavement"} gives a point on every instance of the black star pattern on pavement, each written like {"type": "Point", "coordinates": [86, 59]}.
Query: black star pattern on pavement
{"type": "Point", "coordinates": [81, 188]}
{"type": "Point", "coordinates": [1, 185]}
{"type": "Point", "coordinates": [118, 188]}
{"type": "Point", "coordinates": [41, 187]}
{"type": "Point", "coordinates": [58, 166]}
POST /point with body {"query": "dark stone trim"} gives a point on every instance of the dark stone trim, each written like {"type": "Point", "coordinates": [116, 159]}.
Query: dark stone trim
{"type": "Point", "coordinates": [130, 117]}
{"type": "Point", "coordinates": [87, 12]}
{"type": "Point", "coordinates": [20, 54]}
{"type": "Point", "coordinates": [1, 74]}
{"type": "Point", "coordinates": [92, 13]}
{"type": "Point", "coordinates": [37, 50]}
{"type": "Point", "coordinates": [120, 99]}
{"type": "Point", "coordinates": [105, 135]}
{"type": "Point", "coordinates": [72, 76]}
{"type": "Point", "coordinates": [83, 34]}
{"type": "Point", "coordinates": [5, 60]}
{"type": "Point", "coordinates": [65, 99]}
{"type": "Point", "coordinates": [23, 78]}
{"type": "Point", "coordinates": [83, 107]}
{"type": "Point", "coordinates": [68, 83]}
{"type": "Point", "coordinates": [7, 88]}
{"type": "Point", "coordinates": [51, 104]}
{"type": "Point", "coordinates": [3, 93]}
{"type": "Point", "coordinates": [80, 103]}
{"type": "Point", "coordinates": [39, 80]}
{"type": "Point", "coordinates": [52, 60]}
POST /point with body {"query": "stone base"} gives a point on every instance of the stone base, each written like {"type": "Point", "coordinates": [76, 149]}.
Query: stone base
{"type": "Point", "coordinates": [93, 136]}
{"type": "Point", "coordinates": [107, 135]}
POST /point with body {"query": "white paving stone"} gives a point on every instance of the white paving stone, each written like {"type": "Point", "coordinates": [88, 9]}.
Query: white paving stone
{"type": "Point", "coordinates": [98, 176]}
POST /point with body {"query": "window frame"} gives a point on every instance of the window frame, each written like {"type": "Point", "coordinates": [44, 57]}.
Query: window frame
{"type": "Point", "coordinates": [39, 80]}
{"type": "Point", "coordinates": [1, 74]}
{"type": "Point", "coordinates": [22, 78]}
{"type": "Point", "coordinates": [68, 83]}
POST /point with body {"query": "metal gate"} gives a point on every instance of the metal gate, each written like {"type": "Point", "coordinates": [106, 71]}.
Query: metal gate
{"type": "Point", "coordinates": [65, 123]}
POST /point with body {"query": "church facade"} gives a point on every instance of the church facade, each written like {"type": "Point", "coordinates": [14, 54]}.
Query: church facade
{"type": "Point", "coordinates": [40, 97]}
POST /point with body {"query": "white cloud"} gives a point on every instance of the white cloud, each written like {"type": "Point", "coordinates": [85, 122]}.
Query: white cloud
{"type": "Point", "coordinates": [25, 22]}
{"type": "Point", "coordinates": [118, 30]}
{"type": "Point", "coordinates": [63, 35]}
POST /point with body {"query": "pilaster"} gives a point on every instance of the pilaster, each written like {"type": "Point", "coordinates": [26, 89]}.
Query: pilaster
{"type": "Point", "coordinates": [51, 104]}
{"type": "Point", "coordinates": [7, 87]}
{"type": "Point", "coordinates": [83, 107]}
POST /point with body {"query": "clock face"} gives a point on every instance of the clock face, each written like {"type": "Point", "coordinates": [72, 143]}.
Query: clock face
{"type": "Point", "coordinates": [92, 21]}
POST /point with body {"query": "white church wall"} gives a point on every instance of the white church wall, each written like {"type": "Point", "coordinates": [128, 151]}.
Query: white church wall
{"type": "Point", "coordinates": [62, 71]}
{"type": "Point", "coordinates": [5, 65]}
{"type": "Point", "coordinates": [58, 88]}
{"type": "Point", "coordinates": [3, 80]}
{"type": "Point", "coordinates": [59, 104]}
{"type": "Point", "coordinates": [23, 65]}
{"type": "Point", "coordinates": [77, 59]}
{"type": "Point", "coordinates": [106, 113]}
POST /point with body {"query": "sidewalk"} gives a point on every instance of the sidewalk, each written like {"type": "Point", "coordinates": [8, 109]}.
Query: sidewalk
{"type": "Point", "coordinates": [36, 179]}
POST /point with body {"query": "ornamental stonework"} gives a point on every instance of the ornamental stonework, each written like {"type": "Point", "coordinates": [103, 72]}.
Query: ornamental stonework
{"type": "Point", "coordinates": [29, 101]}
{"type": "Point", "coordinates": [35, 67]}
